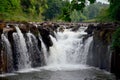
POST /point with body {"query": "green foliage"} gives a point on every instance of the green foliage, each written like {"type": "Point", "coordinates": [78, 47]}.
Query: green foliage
{"type": "Point", "coordinates": [79, 4]}
{"type": "Point", "coordinates": [27, 10]}
{"type": "Point", "coordinates": [71, 12]}
{"type": "Point", "coordinates": [77, 13]}
{"type": "Point", "coordinates": [114, 9]}
{"type": "Point", "coordinates": [38, 10]}
{"type": "Point", "coordinates": [89, 13]}
{"type": "Point", "coordinates": [116, 40]}
{"type": "Point", "coordinates": [66, 11]}
{"type": "Point", "coordinates": [54, 9]}
{"type": "Point", "coordinates": [77, 16]}
{"type": "Point", "coordinates": [103, 15]}
{"type": "Point", "coordinates": [113, 12]}
{"type": "Point", "coordinates": [93, 10]}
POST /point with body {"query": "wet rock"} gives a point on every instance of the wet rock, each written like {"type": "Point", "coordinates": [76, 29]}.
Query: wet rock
{"type": "Point", "coordinates": [99, 52]}
{"type": "Point", "coordinates": [46, 29]}
{"type": "Point", "coordinates": [45, 34]}
{"type": "Point", "coordinates": [3, 64]}
{"type": "Point", "coordinates": [90, 29]}
{"type": "Point", "coordinates": [24, 28]}
{"type": "Point", "coordinates": [3, 61]}
{"type": "Point", "coordinates": [115, 63]}
{"type": "Point", "coordinates": [61, 29]}
{"type": "Point", "coordinates": [34, 29]}
{"type": "Point", "coordinates": [2, 25]}
{"type": "Point", "coordinates": [56, 26]}
{"type": "Point", "coordinates": [76, 27]}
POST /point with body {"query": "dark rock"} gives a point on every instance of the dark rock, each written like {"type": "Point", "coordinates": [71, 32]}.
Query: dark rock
{"type": "Point", "coordinates": [115, 63]}
{"type": "Point", "coordinates": [34, 29]}
{"type": "Point", "coordinates": [76, 27]}
{"type": "Point", "coordinates": [3, 61]}
{"type": "Point", "coordinates": [99, 53]}
{"type": "Point", "coordinates": [2, 25]}
{"type": "Point", "coordinates": [3, 57]}
{"type": "Point", "coordinates": [61, 29]}
{"type": "Point", "coordinates": [90, 29]}
{"type": "Point", "coordinates": [44, 32]}
{"type": "Point", "coordinates": [46, 29]}
{"type": "Point", "coordinates": [24, 28]}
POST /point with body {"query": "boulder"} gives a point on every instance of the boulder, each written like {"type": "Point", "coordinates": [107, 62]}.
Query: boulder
{"type": "Point", "coordinates": [90, 29]}
{"type": "Point", "coordinates": [2, 25]}
{"type": "Point", "coordinates": [44, 32]}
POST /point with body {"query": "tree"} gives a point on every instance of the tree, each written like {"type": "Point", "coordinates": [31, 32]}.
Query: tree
{"type": "Point", "coordinates": [114, 9]}
{"type": "Point", "coordinates": [93, 10]}
{"type": "Point", "coordinates": [77, 16]}
{"type": "Point", "coordinates": [66, 11]}
{"type": "Point", "coordinates": [54, 9]}
{"type": "Point", "coordinates": [22, 9]}
{"type": "Point", "coordinates": [80, 4]}
{"type": "Point", "coordinates": [71, 6]}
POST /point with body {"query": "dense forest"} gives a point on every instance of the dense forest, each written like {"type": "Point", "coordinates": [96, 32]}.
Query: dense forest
{"type": "Point", "coordinates": [55, 10]}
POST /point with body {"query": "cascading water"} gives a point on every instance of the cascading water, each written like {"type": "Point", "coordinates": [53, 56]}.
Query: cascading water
{"type": "Point", "coordinates": [8, 50]}
{"type": "Point", "coordinates": [44, 49]}
{"type": "Point", "coordinates": [69, 48]}
{"type": "Point", "coordinates": [69, 52]}
{"type": "Point", "coordinates": [33, 50]}
{"type": "Point", "coordinates": [21, 50]}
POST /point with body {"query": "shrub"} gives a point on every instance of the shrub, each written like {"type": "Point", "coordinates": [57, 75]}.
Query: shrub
{"type": "Point", "coordinates": [116, 40]}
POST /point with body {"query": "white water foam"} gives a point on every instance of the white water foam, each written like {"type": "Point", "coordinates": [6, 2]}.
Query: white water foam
{"type": "Point", "coordinates": [28, 70]}
{"type": "Point", "coordinates": [65, 67]}
{"type": "Point", "coordinates": [7, 74]}
{"type": "Point", "coordinates": [69, 51]}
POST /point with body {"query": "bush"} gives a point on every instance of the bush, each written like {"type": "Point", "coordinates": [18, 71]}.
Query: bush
{"type": "Point", "coordinates": [116, 40]}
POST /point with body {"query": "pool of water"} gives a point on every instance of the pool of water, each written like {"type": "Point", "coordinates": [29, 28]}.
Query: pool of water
{"type": "Point", "coordinates": [59, 74]}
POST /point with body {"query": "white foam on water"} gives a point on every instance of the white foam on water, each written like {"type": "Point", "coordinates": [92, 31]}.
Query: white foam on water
{"type": "Point", "coordinates": [69, 48]}
{"type": "Point", "coordinates": [8, 74]}
{"type": "Point", "coordinates": [68, 52]}
{"type": "Point", "coordinates": [64, 67]}
{"type": "Point", "coordinates": [27, 70]}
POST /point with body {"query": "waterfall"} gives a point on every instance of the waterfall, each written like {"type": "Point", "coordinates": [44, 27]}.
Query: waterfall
{"type": "Point", "coordinates": [69, 48]}
{"type": "Point", "coordinates": [33, 50]}
{"type": "Point", "coordinates": [44, 49]}
{"type": "Point", "coordinates": [21, 50]}
{"type": "Point", "coordinates": [8, 50]}
{"type": "Point", "coordinates": [29, 51]}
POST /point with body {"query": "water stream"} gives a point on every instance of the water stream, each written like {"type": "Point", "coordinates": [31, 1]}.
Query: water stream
{"type": "Point", "coordinates": [21, 50]}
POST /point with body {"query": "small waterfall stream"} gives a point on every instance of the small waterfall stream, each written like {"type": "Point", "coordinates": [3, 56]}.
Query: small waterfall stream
{"type": "Point", "coordinates": [44, 49]}
{"type": "Point", "coordinates": [8, 50]}
{"type": "Point", "coordinates": [33, 50]}
{"type": "Point", "coordinates": [21, 50]}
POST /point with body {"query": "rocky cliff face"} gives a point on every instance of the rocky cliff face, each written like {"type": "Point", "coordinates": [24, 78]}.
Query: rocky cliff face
{"type": "Point", "coordinates": [100, 53]}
